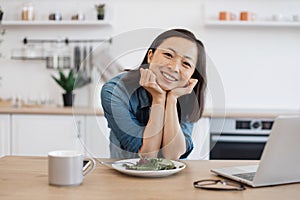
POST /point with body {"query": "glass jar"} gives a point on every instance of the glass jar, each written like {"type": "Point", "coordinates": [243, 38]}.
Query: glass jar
{"type": "Point", "coordinates": [28, 12]}
{"type": "Point", "coordinates": [59, 57]}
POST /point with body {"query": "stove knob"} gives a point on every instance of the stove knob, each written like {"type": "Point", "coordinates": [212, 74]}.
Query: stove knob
{"type": "Point", "coordinates": [256, 125]}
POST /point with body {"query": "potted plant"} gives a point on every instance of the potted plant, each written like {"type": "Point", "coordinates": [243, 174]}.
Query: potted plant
{"type": "Point", "coordinates": [100, 11]}
{"type": "Point", "coordinates": [69, 83]}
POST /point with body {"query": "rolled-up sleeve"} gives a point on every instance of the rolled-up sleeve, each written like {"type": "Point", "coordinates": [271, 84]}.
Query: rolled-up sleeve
{"type": "Point", "coordinates": [187, 129]}
{"type": "Point", "coordinates": [115, 103]}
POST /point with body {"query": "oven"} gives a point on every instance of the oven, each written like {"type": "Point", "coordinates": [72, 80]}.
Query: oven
{"type": "Point", "coordinates": [238, 139]}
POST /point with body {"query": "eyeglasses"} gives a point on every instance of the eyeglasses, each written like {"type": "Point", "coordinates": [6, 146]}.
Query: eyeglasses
{"type": "Point", "coordinates": [211, 184]}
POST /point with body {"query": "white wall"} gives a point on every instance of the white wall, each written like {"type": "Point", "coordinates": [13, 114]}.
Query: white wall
{"type": "Point", "coordinates": [259, 66]}
{"type": "Point", "coordinates": [30, 79]}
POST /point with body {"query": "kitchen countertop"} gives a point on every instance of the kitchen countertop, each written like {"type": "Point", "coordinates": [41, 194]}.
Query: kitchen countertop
{"type": "Point", "coordinates": [229, 113]}
{"type": "Point", "coordinates": [51, 110]}
{"type": "Point", "coordinates": [250, 113]}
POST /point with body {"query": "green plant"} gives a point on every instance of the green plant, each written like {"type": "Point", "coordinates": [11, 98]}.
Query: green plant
{"type": "Point", "coordinates": [70, 82]}
{"type": "Point", "coordinates": [100, 9]}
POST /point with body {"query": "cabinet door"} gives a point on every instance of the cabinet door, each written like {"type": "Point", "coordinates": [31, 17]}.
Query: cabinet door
{"type": "Point", "coordinates": [97, 136]}
{"type": "Point", "coordinates": [39, 134]}
{"type": "Point", "coordinates": [201, 140]}
{"type": "Point", "coordinates": [4, 135]}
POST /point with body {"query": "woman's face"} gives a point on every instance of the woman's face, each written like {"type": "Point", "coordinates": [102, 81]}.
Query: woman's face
{"type": "Point", "coordinates": [173, 62]}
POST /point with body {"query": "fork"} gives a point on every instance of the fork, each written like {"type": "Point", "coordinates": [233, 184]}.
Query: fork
{"type": "Point", "coordinates": [110, 163]}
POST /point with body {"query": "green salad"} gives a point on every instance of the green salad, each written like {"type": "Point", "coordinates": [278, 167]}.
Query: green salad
{"type": "Point", "coordinates": [151, 164]}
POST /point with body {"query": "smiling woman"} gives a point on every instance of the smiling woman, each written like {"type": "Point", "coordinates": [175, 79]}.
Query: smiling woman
{"type": "Point", "coordinates": [151, 110]}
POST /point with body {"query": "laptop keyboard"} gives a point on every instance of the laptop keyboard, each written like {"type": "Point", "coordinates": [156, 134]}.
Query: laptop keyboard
{"type": "Point", "coordinates": [248, 176]}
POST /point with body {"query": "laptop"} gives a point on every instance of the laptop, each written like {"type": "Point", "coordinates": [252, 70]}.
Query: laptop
{"type": "Point", "coordinates": [280, 160]}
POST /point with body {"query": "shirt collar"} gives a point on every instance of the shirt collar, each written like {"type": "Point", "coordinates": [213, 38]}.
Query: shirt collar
{"type": "Point", "coordinates": [144, 97]}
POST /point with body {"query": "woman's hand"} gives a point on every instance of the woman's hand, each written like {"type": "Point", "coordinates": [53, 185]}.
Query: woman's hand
{"type": "Point", "coordinates": [148, 81]}
{"type": "Point", "coordinates": [177, 92]}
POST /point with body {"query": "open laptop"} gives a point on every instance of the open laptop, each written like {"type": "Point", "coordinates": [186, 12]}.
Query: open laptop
{"type": "Point", "coordinates": [280, 161]}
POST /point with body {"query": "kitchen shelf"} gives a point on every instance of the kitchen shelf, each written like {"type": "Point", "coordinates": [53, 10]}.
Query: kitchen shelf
{"type": "Point", "coordinates": [27, 58]}
{"type": "Point", "coordinates": [252, 23]}
{"type": "Point", "coordinates": [56, 23]}
{"type": "Point", "coordinates": [216, 23]}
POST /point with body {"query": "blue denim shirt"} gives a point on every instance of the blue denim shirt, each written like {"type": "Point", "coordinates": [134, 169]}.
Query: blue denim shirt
{"type": "Point", "coordinates": [127, 112]}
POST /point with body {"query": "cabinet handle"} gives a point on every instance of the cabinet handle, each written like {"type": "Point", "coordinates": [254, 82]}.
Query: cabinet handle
{"type": "Point", "coordinates": [78, 129]}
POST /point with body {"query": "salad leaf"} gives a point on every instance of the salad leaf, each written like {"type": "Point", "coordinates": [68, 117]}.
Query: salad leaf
{"type": "Point", "coordinates": [151, 164]}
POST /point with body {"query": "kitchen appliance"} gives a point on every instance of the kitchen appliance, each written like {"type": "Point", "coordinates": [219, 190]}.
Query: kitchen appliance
{"type": "Point", "coordinates": [238, 138]}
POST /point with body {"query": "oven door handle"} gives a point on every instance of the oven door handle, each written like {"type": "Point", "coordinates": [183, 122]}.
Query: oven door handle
{"type": "Point", "coordinates": [253, 139]}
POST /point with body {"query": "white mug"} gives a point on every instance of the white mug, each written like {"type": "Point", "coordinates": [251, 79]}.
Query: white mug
{"type": "Point", "coordinates": [65, 168]}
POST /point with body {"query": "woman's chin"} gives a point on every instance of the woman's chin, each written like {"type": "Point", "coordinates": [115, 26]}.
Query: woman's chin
{"type": "Point", "coordinates": [165, 88]}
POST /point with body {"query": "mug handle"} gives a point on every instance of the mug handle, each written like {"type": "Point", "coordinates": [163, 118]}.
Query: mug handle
{"type": "Point", "coordinates": [91, 166]}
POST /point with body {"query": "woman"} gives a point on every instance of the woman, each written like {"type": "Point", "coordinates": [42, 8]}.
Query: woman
{"type": "Point", "coordinates": [151, 111]}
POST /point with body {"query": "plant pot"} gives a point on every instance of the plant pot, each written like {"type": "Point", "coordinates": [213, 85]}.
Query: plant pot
{"type": "Point", "coordinates": [68, 99]}
{"type": "Point", "coordinates": [100, 16]}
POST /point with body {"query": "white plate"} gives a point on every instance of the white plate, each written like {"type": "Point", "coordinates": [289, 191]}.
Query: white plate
{"type": "Point", "coordinates": [161, 173]}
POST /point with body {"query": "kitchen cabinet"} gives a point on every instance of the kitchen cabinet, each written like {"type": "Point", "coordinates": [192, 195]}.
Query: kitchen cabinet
{"type": "Point", "coordinates": [97, 136]}
{"type": "Point", "coordinates": [200, 135]}
{"type": "Point", "coordinates": [4, 134]}
{"type": "Point", "coordinates": [38, 134]}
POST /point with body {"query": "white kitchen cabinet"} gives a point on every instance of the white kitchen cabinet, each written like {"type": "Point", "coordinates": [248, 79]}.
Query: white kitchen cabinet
{"type": "Point", "coordinates": [39, 134]}
{"type": "Point", "coordinates": [4, 134]}
{"type": "Point", "coordinates": [97, 137]}
{"type": "Point", "coordinates": [201, 140]}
